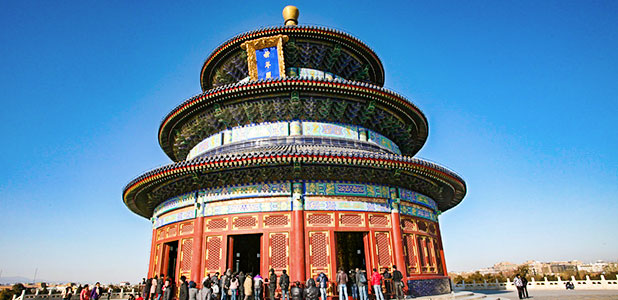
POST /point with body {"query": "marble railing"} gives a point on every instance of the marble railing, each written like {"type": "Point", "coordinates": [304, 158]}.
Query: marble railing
{"type": "Point", "coordinates": [587, 284]}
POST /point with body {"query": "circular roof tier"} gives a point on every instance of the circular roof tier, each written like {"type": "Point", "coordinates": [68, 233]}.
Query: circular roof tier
{"type": "Point", "coordinates": [294, 162]}
{"type": "Point", "coordinates": [281, 99]}
{"type": "Point", "coordinates": [310, 47]}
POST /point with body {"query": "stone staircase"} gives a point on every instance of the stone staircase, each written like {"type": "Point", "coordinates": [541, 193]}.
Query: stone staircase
{"type": "Point", "coordinates": [458, 296]}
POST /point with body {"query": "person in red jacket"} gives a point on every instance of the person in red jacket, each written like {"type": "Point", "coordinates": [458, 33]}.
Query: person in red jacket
{"type": "Point", "coordinates": [85, 293]}
{"type": "Point", "coordinates": [376, 280]}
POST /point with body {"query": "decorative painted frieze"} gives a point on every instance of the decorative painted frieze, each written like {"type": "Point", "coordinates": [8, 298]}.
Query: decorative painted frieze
{"type": "Point", "coordinates": [414, 197]}
{"type": "Point", "coordinates": [175, 217]}
{"type": "Point", "coordinates": [418, 211]}
{"type": "Point", "coordinates": [245, 191]}
{"type": "Point", "coordinates": [347, 204]}
{"type": "Point", "coordinates": [247, 206]}
{"type": "Point", "coordinates": [347, 189]}
{"type": "Point", "coordinates": [174, 203]}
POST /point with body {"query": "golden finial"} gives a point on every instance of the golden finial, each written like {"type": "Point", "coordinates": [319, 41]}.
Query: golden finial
{"type": "Point", "coordinates": [290, 15]}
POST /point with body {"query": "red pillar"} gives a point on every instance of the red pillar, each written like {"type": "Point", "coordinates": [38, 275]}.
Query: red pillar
{"type": "Point", "coordinates": [196, 260]}
{"type": "Point", "coordinates": [297, 261]}
{"type": "Point", "coordinates": [297, 239]}
{"type": "Point", "coordinates": [398, 241]}
{"type": "Point", "coordinates": [441, 249]}
{"type": "Point", "coordinates": [151, 271]}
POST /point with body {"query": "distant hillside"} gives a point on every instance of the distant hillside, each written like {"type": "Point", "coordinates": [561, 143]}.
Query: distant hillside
{"type": "Point", "coordinates": [17, 279]}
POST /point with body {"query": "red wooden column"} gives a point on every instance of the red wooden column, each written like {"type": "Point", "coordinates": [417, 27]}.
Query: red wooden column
{"type": "Point", "coordinates": [297, 236]}
{"type": "Point", "coordinates": [153, 254]}
{"type": "Point", "coordinates": [441, 249]}
{"type": "Point", "coordinates": [196, 260]}
{"type": "Point", "coordinates": [398, 238]}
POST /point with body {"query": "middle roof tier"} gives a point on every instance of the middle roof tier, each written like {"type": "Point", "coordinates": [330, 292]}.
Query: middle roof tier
{"type": "Point", "coordinates": [293, 99]}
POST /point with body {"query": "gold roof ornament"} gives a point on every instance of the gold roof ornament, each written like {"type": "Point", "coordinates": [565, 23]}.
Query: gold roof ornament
{"type": "Point", "coordinates": [290, 15]}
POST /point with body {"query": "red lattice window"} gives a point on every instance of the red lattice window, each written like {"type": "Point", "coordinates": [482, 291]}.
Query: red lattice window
{"type": "Point", "coordinates": [431, 252]}
{"type": "Point", "coordinates": [383, 249]}
{"type": "Point", "coordinates": [215, 224]}
{"type": "Point", "coordinates": [319, 249]}
{"type": "Point", "coordinates": [245, 222]}
{"type": "Point", "coordinates": [172, 231]}
{"type": "Point", "coordinates": [410, 253]}
{"type": "Point", "coordinates": [186, 228]}
{"type": "Point", "coordinates": [279, 251]}
{"type": "Point", "coordinates": [422, 226]}
{"type": "Point", "coordinates": [351, 219]}
{"type": "Point", "coordinates": [378, 220]}
{"type": "Point", "coordinates": [213, 252]}
{"type": "Point", "coordinates": [319, 219]}
{"type": "Point", "coordinates": [186, 254]}
{"type": "Point", "coordinates": [422, 251]}
{"type": "Point", "coordinates": [432, 228]}
{"type": "Point", "coordinates": [408, 224]}
{"type": "Point", "coordinates": [439, 266]}
{"type": "Point", "coordinates": [277, 220]}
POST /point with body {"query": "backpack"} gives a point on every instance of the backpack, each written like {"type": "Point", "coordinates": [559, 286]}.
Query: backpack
{"type": "Point", "coordinates": [284, 281]}
{"type": "Point", "coordinates": [215, 289]}
{"type": "Point", "coordinates": [397, 276]}
{"type": "Point", "coordinates": [362, 278]}
{"type": "Point", "coordinates": [258, 284]}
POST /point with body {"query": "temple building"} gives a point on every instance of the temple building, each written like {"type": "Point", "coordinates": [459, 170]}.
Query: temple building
{"type": "Point", "coordinates": [295, 157]}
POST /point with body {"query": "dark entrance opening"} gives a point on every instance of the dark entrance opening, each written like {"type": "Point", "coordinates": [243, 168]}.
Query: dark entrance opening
{"type": "Point", "coordinates": [170, 251]}
{"type": "Point", "coordinates": [244, 253]}
{"type": "Point", "coordinates": [350, 250]}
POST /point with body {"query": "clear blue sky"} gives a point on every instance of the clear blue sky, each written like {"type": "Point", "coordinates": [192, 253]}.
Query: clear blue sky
{"type": "Point", "coordinates": [521, 98]}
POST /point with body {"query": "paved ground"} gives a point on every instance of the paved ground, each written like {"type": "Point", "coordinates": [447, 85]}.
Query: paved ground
{"type": "Point", "coordinates": [557, 295]}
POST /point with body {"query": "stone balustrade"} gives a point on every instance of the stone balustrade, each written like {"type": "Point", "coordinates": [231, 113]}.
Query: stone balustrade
{"type": "Point", "coordinates": [123, 294]}
{"type": "Point", "coordinates": [587, 284]}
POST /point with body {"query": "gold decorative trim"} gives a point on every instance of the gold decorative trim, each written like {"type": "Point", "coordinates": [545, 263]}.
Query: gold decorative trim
{"type": "Point", "coordinates": [261, 43]}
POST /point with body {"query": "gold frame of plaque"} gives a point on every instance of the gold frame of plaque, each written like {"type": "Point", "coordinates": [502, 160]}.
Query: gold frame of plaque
{"type": "Point", "coordinates": [261, 43]}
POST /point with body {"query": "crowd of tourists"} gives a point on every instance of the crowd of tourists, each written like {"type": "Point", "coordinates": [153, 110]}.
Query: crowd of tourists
{"type": "Point", "coordinates": [249, 286]}
{"type": "Point", "coordinates": [85, 292]}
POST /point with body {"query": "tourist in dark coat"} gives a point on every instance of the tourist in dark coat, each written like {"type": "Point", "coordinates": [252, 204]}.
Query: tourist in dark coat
{"type": "Point", "coordinates": [241, 287]}
{"type": "Point", "coordinates": [167, 290]}
{"type": "Point", "coordinates": [225, 284]}
{"type": "Point", "coordinates": [352, 284]}
{"type": "Point", "coordinates": [159, 287]}
{"type": "Point", "coordinates": [361, 282]}
{"type": "Point", "coordinates": [284, 284]}
{"type": "Point", "coordinates": [311, 292]}
{"type": "Point", "coordinates": [272, 284]}
{"type": "Point", "coordinates": [524, 281]}
{"type": "Point", "coordinates": [296, 292]}
{"type": "Point", "coordinates": [146, 291]}
{"type": "Point", "coordinates": [398, 283]}
{"type": "Point", "coordinates": [388, 284]}
{"type": "Point", "coordinates": [183, 294]}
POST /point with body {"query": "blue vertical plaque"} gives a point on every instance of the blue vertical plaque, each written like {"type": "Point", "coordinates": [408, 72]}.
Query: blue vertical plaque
{"type": "Point", "coordinates": [267, 62]}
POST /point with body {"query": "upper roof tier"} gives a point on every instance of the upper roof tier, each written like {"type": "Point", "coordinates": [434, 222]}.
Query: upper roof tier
{"type": "Point", "coordinates": [305, 48]}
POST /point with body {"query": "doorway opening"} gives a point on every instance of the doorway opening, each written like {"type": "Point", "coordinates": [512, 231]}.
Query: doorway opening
{"type": "Point", "coordinates": [170, 251]}
{"type": "Point", "coordinates": [350, 248]}
{"type": "Point", "coordinates": [244, 253]}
